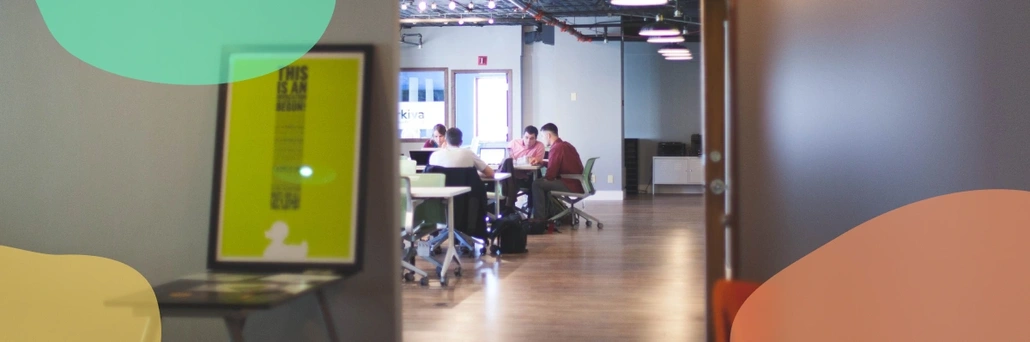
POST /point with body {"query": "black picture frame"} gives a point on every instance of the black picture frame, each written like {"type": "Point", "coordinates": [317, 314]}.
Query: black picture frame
{"type": "Point", "coordinates": [213, 262]}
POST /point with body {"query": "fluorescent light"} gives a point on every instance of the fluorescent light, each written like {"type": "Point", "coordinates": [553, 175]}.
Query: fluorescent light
{"type": "Point", "coordinates": [491, 4]}
{"type": "Point", "coordinates": [673, 48]}
{"type": "Point", "coordinates": [639, 2]}
{"type": "Point", "coordinates": [659, 29]}
{"type": "Point", "coordinates": [679, 58]}
{"type": "Point", "coordinates": [671, 39]}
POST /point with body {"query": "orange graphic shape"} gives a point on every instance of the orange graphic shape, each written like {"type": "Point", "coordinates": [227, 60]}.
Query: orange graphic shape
{"type": "Point", "coordinates": [949, 268]}
{"type": "Point", "coordinates": [74, 298]}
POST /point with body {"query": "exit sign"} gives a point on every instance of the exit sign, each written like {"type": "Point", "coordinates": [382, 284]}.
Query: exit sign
{"type": "Point", "coordinates": [482, 60]}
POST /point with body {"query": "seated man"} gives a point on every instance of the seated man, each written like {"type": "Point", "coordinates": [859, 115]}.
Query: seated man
{"type": "Point", "coordinates": [452, 155]}
{"type": "Point", "coordinates": [564, 160]}
{"type": "Point", "coordinates": [531, 149]}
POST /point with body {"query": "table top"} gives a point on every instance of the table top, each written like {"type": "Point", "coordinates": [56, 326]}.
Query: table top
{"type": "Point", "coordinates": [498, 176]}
{"type": "Point", "coordinates": [232, 291]}
{"type": "Point", "coordinates": [438, 192]}
{"type": "Point", "coordinates": [528, 167]}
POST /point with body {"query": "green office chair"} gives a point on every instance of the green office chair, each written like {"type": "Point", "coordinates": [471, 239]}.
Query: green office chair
{"type": "Point", "coordinates": [570, 198]}
{"type": "Point", "coordinates": [409, 236]}
{"type": "Point", "coordinates": [424, 218]}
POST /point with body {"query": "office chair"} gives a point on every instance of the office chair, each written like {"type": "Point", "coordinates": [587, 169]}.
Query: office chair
{"type": "Point", "coordinates": [469, 209]}
{"type": "Point", "coordinates": [571, 198]}
{"type": "Point", "coordinates": [430, 214]}
{"type": "Point", "coordinates": [409, 236]}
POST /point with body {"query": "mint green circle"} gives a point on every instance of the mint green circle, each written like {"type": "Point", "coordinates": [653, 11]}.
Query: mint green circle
{"type": "Point", "coordinates": [184, 41]}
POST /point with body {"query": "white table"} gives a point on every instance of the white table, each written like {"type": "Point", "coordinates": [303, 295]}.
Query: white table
{"type": "Point", "coordinates": [446, 194]}
{"type": "Point", "coordinates": [497, 178]}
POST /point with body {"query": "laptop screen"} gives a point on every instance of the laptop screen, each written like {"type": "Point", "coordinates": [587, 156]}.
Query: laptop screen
{"type": "Point", "coordinates": [421, 157]}
{"type": "Point", "coordinates": [492, 156]}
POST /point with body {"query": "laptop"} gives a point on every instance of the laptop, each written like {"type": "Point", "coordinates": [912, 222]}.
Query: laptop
{"type": "Point", "coordinates": [421, 157]}
{"type": "Point", "coordinates": [493, 156]}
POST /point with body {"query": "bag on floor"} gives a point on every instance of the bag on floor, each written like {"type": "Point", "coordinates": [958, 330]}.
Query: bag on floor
{"type": "Point", "coordinates": [509, 234]}
{"type": "Point", "coordinates": [534, 228]}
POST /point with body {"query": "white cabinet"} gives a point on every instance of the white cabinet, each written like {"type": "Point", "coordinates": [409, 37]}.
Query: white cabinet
{"type": "Point", "coordinates": [677, 171]}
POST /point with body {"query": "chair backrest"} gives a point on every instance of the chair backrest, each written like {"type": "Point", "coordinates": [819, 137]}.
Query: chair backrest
{"type": "Point", "coordinates": [587, 170]}
{"type": "Point", "coordinates": [407, 207]}
{"type": "Point", "coordinates": [469, 208]}
{"type": "Point", "coordinates": [428, 180]}
{"type": "Point", "coordinates": [728, 296]}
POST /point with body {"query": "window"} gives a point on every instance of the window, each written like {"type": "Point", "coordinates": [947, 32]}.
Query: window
{"type": "Point", "coordinates": [422, 103]}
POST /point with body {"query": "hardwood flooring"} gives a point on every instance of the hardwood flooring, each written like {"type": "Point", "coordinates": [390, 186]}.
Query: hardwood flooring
{"type": "Point", "coordinates": [641, 278]}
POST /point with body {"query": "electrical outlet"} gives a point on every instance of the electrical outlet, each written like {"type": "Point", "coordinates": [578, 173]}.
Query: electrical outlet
{"type": "Point", "coordinates": [593, 178]}
{"type": "Point", "coordinates": [573, 96]}
{"type": "Point", "coordinates": [611, 179]}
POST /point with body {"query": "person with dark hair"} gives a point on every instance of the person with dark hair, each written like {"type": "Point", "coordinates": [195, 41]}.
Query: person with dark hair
{"type": "Point", "coordinates": [527, 147]}
{"type": "Point", "coordinates": [452, 155]}
{"type": "Point", "coordinates": [439, 139]}
{"type": "Point", "coordinates": [563, 160]}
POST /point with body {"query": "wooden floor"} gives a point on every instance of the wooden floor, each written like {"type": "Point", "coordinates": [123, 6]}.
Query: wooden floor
{"type": "Point", "coordinates": [641, 278]}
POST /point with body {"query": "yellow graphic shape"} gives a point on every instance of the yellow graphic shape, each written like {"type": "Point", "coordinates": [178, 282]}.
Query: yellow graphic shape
{"type": "Point", "coordinates": [74, 298]}
{"type": "Point", "coordinates": [948, 268]}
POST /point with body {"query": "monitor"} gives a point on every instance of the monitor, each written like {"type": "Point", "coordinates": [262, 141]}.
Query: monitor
{"type": "Point", "coordinates": [421, 157]}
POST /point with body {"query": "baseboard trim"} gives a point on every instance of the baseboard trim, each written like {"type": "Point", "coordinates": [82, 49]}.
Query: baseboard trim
{"type": "Point", "coordinates": [610, 195]}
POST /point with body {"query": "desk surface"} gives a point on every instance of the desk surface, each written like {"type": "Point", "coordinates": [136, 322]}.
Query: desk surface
{"type": "Point", "coordinates": [226, 291]}
{"type": "Point", "coordinates": [498, 176]}
{"type": "Point", "coordinates": [440, 192]}
{"type": "Point", "coordinates": [528, 167]}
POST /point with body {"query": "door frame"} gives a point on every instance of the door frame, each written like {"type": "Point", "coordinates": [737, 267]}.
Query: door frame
{"type": "Point", "coordinates": [453, 112]}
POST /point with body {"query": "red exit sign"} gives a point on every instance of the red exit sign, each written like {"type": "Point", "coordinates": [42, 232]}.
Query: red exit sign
{"type": "Point", "coordinates": [482, 60]}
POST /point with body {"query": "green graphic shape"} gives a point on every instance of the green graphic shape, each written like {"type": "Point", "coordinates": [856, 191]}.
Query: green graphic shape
{"type": "Point", "coordinates": [183, 42]}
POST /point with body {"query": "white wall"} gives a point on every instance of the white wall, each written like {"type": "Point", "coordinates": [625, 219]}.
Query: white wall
{"type": "Point", "coordinates": [592, 123]}
{"type": "Point", "coordinates": [663, 100]}
{"type": "Point", "coordinates": [458, 48]}
{"type": "Point", "coordinates": [93, 163]}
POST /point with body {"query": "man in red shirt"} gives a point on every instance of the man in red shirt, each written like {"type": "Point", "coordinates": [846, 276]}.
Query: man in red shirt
{"type": "Point", "coordinates": [562, 160]}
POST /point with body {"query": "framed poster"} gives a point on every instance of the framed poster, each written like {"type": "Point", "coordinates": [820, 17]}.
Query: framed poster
{"type": "Point", "coordinates": [422, 103]}
{"type": "Point", "coordinates": [289, 162]}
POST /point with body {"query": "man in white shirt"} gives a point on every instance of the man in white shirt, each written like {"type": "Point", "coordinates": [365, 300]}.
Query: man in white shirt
{"type": "Point", "coordinates": [454, 156]}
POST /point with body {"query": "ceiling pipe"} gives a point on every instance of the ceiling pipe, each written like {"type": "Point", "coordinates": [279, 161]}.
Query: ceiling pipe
{"type": "Point", "coordinates": [548, 19]}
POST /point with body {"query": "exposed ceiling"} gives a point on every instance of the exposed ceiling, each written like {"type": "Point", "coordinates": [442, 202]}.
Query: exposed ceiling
{"type": "Point", "coordinates": [586, 19]}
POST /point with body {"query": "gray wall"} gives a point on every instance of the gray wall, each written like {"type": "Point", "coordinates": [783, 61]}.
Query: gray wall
{"type": "Point", "coordinates": [93, 163]}
{"type": "Point", "coordinates": [663, 99]}
{"type": "Point", "coordinates": [592, 123]}
{"type": "Point", "coordinates": [457, 48]}
{"type": "Point", "coordinates": [848, 110]}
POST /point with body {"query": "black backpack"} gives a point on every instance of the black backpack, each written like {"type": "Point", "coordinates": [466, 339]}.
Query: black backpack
{"type": "Point", "coordinates": [510, 235]}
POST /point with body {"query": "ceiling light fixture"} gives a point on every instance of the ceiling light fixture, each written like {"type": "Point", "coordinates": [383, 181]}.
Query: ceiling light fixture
{"type": "Point", "coordinates": [491, 20]}
{"type": "Point", "coordinates": [639, 2]}
{"type": "Point", "coordinates": [673, 48]}
{"type": "Point", "coordinates": [452, 5]}
{"type": "Point", "coordinates": [433, 5]}
{"type": "Point", "coordinates": [492, 4]}
{"type": "Point", "coordinates": [679, 58]}
{"type": "Point", "coordinates": [404, 6]}
{"type": "Point", "coordinates": [659, 28]}
{"type": "Point", "coordinates": [666, 40]}
{"type": "Point", "coordinates": [470, 5]}
{"type": "Point", "coordinates": [422, 6]}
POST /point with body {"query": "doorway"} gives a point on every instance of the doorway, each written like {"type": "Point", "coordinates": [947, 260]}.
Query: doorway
{"type": "Point", "coordinates": [482, 103]}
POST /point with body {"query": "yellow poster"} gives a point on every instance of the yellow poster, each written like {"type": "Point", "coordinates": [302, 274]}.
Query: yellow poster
{"type": "Point", "coordinates": [291, 160]}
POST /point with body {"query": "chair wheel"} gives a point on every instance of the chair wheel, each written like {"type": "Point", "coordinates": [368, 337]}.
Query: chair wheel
{"type": "Point", "coordinates": [600, 225]}
{"type": "Point", "coordinates": [495, 250]}
{"type": "Point", "coordinates": [409, 277]}
{"type": "Point", "coordinates": [589, 223]}
{"type": "Point", "coordinates": [443, 282]}
{"type": "Point", "coordinates": [424, 281]}
{"type": "Point", "coordinates": [457, 273]}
